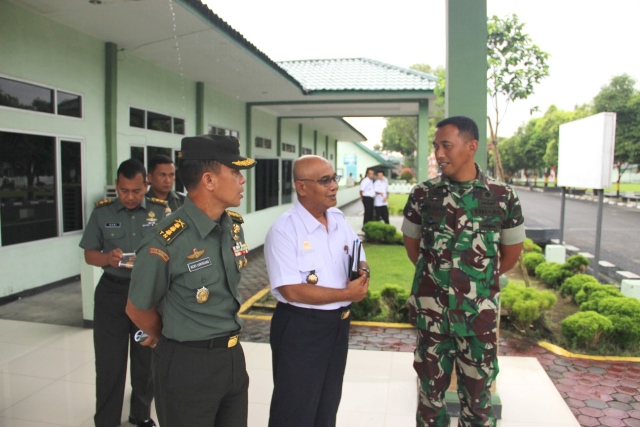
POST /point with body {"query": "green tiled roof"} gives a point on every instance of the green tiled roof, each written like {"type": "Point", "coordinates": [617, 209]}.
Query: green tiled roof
{"type": "Point", "coordinates": [356, 74]}
{"type": "Point", "coordinates": [373, 154]}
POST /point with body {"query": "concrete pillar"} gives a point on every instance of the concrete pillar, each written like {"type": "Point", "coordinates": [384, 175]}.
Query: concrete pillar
{"type": "Point", "coordinates": [424, 145]}
{"type": "Point", "coordinates": [466, 93]}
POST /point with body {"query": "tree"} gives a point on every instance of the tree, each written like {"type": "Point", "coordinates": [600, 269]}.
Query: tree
{"type": "Point", "coordinates": [515, 66]}
{"type": "Point", "coordinates": [401, 133]}
{"type": "Point", "coordinates": [621, 97]}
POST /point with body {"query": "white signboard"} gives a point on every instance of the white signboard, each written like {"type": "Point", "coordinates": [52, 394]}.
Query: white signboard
{"type": "Point", "coordinates": [585, 152]}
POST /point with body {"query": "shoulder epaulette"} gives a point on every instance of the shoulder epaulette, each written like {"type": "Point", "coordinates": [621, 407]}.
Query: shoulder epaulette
{"type": "Point", "coordinates": [158, 201]}
{"type": "Point", "coordinates": [104, 202]}
{"type": "Point", "coordinates": [173, 230]}
{"type": "Point", "coordinates": [235, 216]}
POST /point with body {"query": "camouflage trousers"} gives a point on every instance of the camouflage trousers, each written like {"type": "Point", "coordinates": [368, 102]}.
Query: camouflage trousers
{"type": "Point", "coordinates": [475, 359]}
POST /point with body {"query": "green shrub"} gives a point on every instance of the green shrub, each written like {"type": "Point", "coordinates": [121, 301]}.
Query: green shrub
{"type": "Point", "coordinates": [583, 295]}
{"type": "Point", "coordinates": [595, 297]}
{"type": "Point", "coordinates": [572, 285]}
{"type": "Point", "coordinates": [552, 274]}
{"type": "Point", "coordinates": [577, 263]}
{"type": "Point", "coordinates": [525, 304]}
{"type": "Point", "coordinates": [395, 298]}
{"type": "Point", "coordinates": [368, 308]}
{"type": "Point", "coordinates": [624, 313]}
{"type": "Point", "coordinates": [406, 174]}
{"type": "Point", "coordinates": [585, 328]}
{"type": "Point", "coordinates": [532, 260]}
{"type": "Point", "coordinates": [379, 232]}
{"type": "Point", "coordinates": [529, 246]}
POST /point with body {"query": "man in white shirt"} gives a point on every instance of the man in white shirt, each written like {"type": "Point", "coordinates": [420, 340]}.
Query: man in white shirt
{"type": "Point", "coordinates": [381, 188]}
{"type": "Point", "coordinates": [307, 252]}
{"type": "Point", "coordinates": [367, 194]}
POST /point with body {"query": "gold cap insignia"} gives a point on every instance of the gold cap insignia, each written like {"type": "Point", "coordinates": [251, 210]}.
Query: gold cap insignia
{"type": "Point", "coordinates": [195, 254]}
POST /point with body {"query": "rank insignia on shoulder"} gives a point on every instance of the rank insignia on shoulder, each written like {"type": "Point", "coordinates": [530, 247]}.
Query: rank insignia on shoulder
{"type": "Point", "coordinates": [236, 228]}
{"type": "Point", "coordinates": [104, 202]}
{"type": "Point", "coordinates": [171, 231]}
{"type": "Point", "coordinates": [195, 254]}
{"type": "Point", "coordinates": [235, 216]}
{"type": "Point", "coordinates": [158, 201]}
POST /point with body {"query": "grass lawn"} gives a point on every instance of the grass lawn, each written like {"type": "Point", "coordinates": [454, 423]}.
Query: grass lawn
{"type": "Point", "coordinates": [396, 203]}
{"type": "Point", "coordinates": [389, 265]}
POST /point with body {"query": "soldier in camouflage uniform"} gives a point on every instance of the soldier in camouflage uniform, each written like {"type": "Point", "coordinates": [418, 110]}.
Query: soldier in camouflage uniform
{"type": "Point", "coordinates": [461, 230]}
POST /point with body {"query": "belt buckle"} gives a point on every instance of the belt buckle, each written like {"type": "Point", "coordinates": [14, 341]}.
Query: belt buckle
{"type": "Point", "coordinates": [345, 314]}
{"type": "Point", "coordinates": [232, 341]}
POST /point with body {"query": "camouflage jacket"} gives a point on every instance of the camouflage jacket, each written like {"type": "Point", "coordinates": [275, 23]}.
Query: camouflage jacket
{"type": "Point", "coordinates": [460, 226]}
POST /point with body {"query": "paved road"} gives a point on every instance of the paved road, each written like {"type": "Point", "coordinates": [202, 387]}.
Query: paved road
{"type": "Point", "coordinates": [620, 240]}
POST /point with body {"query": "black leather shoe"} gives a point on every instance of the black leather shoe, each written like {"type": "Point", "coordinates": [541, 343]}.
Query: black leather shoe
{"type": "Point", "coordinates": [143, 423]}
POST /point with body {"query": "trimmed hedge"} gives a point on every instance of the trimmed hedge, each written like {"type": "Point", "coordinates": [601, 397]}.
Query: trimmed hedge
{"type": "Point", "coordinates": [525, 304]}
{"type": "Point", "coordinates": [532, 260]}
{"type": "Point", "coordinates": [586, 328]}
{"type": "Point", "coordinates": [572, 285]}
{"type": "Point", "coordinates": [379, 232]}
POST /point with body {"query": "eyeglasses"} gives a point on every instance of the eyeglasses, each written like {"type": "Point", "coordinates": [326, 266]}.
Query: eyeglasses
{"type": "Point", "coordinates": [324, 181]}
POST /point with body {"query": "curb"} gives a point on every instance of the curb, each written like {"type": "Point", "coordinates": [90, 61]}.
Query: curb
{"type": "Point", "coordinates": [562, 352]}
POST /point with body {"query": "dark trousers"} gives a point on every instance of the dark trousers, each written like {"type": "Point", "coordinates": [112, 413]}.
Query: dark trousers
{"type": "Point", "coordinates": [112, 338]}
{"type": "Point", "coordinates": [382, 213]}
{"type": "Point", "coordinates": [368, 209]}
{"type": "Point", "coordinates": [309, 355]}
{"type": "Point", "coordinates": [200, 387]}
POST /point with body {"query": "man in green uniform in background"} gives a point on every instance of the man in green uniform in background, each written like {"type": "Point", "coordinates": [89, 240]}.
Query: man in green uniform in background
{"type": "Point", "coordinates": [461, 230]}
{"type": "Point", "coordinates": [162, 177]}
{"type": "Point", "coordinates": [184, 292]}
{"type": "Point", "coordinates": [114, 231]}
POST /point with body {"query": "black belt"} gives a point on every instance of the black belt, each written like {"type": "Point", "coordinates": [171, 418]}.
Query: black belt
{"type": "Point", "coordinates": [220, 342]}
{"type": "Point", "coordinates": [337, 314]}
{"type": "Point", "coordinates": [116, 279]}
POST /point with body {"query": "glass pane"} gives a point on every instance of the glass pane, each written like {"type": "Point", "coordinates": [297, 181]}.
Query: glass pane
{"type": "Point", "coordinates": [136, 118]}
{"type": "Point", "coordinates": [138, 154]}
{"type": "Point", "coordinates": [27, 189]}
{"type": "Point", "coordinates": [266, 183]}
{"type": "Point", "coordinates": [71, 179]}
{"type": "Point", "coordinates": [69, 104]}
{"type": "Point", "coordinates": [158, 122]}
{"type": "Point", "coordinates": [179, 185]}
{"type": "Point", "coordinates": [287, 180]}
{"type": "Point", "coordinates": [178, 126]}
{"type": "Point", "coordinates": [26, 96]}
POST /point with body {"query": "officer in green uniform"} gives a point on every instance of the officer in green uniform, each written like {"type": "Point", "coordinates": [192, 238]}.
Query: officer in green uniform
{"type": "Point", "coordinates": [184, 292]}
{"type": "Point", "coordinates": [114, 231]}
{"type": "Point", "coordinates": [461, 230]}
{"type": "Point", "coordinates": [161, 178]}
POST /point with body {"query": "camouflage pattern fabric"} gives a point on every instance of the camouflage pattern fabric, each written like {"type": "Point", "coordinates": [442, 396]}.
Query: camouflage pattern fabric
{"type": "Point", "coordinates": [455, 288]}
{"type": "Point", "coordinates": [476, 367]}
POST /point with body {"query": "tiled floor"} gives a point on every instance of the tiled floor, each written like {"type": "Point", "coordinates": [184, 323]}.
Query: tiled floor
{"type": "Point", "coordinates": [47, 380]}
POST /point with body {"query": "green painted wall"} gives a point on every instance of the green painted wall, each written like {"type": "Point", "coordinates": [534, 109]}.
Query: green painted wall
{"type": "Point", "coordinates": [41, 52]}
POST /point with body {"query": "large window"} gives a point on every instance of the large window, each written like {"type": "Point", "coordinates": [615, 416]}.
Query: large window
{"type": "Point", "coordinates": [40, 187]}
{"type": "Point", "coordinates": [287, 180]}
{"type": "Point", "coordinates": [155, 121]}
{"type": "Point", "coordinates": [266, 183]}
{"type": "Point", "coordinates": [219, 130]}
{"type": "Point", "coordinates": [27, 96]}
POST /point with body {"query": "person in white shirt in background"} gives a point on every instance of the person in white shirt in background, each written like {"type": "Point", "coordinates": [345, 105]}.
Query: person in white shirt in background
{"type": "Point", "coordinates": [366, 195]}
{"type": "Point", "coordinates": [380, 204]}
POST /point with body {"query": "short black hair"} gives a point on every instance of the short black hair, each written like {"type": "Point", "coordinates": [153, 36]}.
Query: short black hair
{"type": "Point", "coordinates": [159, 159]}
{"type": "Point", "coordinates": [130, 168]}
{"type": "Point", "coordinates": [191, 171]}
{"type": "Point", "coordinates": [464, 124]}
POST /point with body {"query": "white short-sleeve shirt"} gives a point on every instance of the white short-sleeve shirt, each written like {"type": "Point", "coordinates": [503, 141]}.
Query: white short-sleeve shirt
{"type": "Point", "coordinates": [297, 244]}
{"type": "Point", "coordinates": [380, 186]}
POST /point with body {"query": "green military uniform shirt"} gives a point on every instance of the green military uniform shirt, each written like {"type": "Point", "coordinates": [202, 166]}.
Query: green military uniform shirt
{"type": "Point", "coordinates": [113, 226]}
{"type": "Point", "coordinates": [460, 226]}
{"type": "Point", "coordinates": [174, 200]}
{"type": "Point", "coordinates": [190, 270]}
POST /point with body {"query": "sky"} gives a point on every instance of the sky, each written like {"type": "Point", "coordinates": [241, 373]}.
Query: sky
{"type": "Point", "coordinates": [589, 42]}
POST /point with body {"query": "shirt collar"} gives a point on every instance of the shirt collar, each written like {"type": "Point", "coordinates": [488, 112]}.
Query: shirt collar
{"type": "Point", "coordinates": [310, 222]}
{"type": "Point", "coordinates": [203, 223]}
{"type": "Point", "coordinates": [119, 206]}
{"type": "Point", "coordinates": [481, 180]}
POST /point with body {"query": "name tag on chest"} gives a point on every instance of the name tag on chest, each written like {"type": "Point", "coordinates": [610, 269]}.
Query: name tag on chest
{"type": "Point", "coordinates": [197, 265]}
{"type": "Point", "coordinates": [112, 225]}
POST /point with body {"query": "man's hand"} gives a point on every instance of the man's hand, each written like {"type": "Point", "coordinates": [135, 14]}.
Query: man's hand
{"type": "Point", "coordinates": [114, 257]}
{"type": "Point", "coordinates": [357, 288]}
